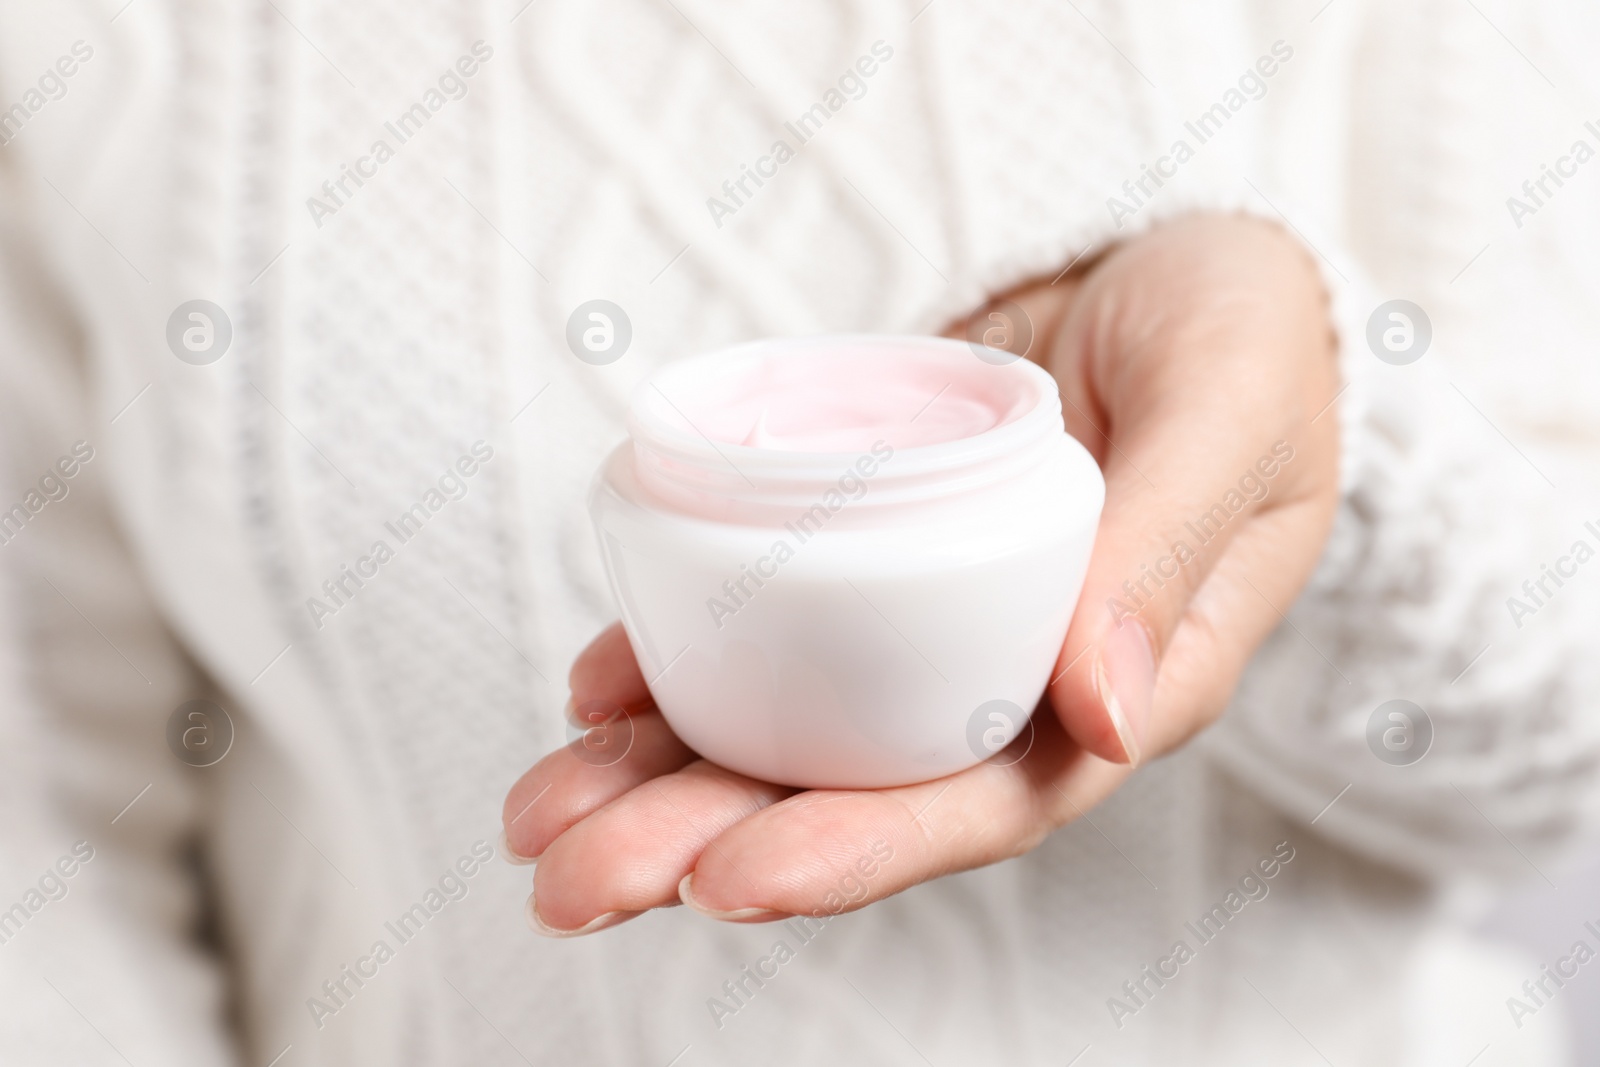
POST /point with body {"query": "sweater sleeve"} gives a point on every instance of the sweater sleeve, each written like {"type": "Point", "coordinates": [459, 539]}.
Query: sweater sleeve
{"type": "Point", "coordinates": [102, 955]}
{"type": "Point", "coordinates": [1490, 763]}
{"type": "Point", "coordinates": [1462, 575]}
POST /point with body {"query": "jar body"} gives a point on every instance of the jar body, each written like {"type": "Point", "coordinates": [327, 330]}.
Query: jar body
{"type": "Point", "coordinates": [853, 647]}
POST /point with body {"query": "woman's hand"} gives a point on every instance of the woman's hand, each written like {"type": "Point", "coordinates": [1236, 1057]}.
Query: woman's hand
{"type": "Point", "coordinates": [1197, 364]}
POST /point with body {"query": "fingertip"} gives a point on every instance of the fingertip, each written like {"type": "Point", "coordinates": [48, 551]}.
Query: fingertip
{"type": "Point", "coordinates": [600, 922]}
{"type": "Point", "coordinates": [512, 856]}
{"type": "Point", "coordinates": [1125, 679]}
{"type": "Point", "coordinates": [1127, 740]}
{"type": "Point", "coordinates": [1104, 697]}
{"type": "Point", "coordinates": [608, 670]}
{"type": "Point", "coordinates": [730, 915]}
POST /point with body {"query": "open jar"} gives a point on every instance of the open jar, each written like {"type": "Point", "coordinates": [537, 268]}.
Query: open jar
{"type": "Point", "coordinates": [847, 562]}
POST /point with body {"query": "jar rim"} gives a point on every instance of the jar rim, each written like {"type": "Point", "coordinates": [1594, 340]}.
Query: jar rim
{"type": "Point", "coordinates": [669, 443]}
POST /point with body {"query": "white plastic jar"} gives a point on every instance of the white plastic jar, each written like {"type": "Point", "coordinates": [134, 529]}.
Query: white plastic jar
{"type": "Point", "coordinates": [847, 562]}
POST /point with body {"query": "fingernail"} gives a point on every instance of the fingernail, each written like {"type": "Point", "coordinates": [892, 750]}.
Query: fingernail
{"type": "Point", "coordinates": [599, 922]}
{"type": "Point", "coordinates": [510, 855]}
{"type": "Point", "coordinates": [737, 915]}
{"type": "Point", "coordinates": [1125, 676]}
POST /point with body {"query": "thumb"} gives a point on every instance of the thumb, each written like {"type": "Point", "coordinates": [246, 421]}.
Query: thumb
{"type": "Point", "coordinates": [1189, 364]}
{"type": "Point", "coordinates": [1171, 511]}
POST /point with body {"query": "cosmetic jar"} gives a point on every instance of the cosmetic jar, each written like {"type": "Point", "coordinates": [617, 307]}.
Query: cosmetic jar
{"type": "Point", "coordinates": [847, 561]}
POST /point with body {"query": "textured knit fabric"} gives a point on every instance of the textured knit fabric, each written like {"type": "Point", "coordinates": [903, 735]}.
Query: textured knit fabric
{"type": "Point", "coordinates": [381, 329]}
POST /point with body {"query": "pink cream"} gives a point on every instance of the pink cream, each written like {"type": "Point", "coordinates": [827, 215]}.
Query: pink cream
{"type": "Point", "coordinates": [845, 400]}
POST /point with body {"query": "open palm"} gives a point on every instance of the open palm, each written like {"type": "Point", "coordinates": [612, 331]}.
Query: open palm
{"type": "Point", "coordinates": [1196, 364]}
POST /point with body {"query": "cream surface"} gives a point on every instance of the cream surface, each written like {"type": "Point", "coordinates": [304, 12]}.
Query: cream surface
{"type": "Point", "coordinates": [845, 402]}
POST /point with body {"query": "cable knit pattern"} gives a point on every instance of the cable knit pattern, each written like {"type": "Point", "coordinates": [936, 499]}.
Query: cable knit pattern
{"type": "Point", "coordinates": [376, 341]}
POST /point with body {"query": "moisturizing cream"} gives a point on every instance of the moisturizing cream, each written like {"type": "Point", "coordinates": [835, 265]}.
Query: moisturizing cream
{"type": "Point", "coordinates": [847, 562]}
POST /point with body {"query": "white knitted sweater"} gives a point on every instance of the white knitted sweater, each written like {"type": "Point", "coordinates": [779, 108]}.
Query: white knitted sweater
{"type": "Point", "coordinates": [381, 327]}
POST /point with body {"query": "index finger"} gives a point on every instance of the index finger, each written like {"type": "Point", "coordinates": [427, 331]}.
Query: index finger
{"type": "Point", "coordinates": [608, 670]}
